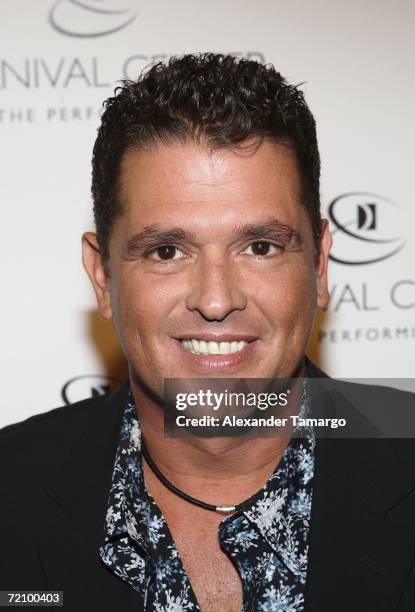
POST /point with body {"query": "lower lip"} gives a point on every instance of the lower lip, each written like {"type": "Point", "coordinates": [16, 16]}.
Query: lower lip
{"type": "Point", "coordinates": [217, 362]}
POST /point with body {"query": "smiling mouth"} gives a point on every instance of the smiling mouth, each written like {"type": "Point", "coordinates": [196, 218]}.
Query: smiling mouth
{"type": "Point", "coordinates": [210, 347]}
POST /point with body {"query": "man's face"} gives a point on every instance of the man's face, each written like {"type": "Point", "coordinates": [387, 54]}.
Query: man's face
{"type": "Point", "coordinates": [212, 269]}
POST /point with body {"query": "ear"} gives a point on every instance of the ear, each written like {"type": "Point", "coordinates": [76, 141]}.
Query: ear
{"type": "Point", "coordinates": [322, 265]}
{"type": "Point", "coordinates": [96, 270]}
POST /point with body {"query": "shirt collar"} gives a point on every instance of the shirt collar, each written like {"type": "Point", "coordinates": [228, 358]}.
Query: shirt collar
{"type": "Point", "coordinates": [133, 521]}
{"type": "Point", "coordinates": [282, 506]}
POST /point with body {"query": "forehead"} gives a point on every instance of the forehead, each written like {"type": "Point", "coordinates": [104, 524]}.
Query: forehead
{"type": "Point", "coordinates": [188, 183]}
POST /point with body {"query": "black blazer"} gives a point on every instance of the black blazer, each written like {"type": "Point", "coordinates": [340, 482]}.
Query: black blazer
{"type": "Point", "coordinates": [55, 475]}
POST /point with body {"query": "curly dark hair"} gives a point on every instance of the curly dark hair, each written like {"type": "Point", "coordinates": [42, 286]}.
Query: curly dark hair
{"type": "Point", "coordinates": [220, 100]}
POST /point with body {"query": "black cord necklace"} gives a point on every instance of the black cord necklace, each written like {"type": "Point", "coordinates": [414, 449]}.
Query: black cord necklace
{"type": "Point", "coordinates": [188, 498]}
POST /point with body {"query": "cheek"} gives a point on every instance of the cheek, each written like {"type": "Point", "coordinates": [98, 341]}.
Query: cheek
{"type": "Point", "coordinates": [142, 304]}
{"type": "Point", "coordinates": [288, 299]}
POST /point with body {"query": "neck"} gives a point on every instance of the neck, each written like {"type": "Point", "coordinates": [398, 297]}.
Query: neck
{"type": "Point", "coordinates": [208, 465]}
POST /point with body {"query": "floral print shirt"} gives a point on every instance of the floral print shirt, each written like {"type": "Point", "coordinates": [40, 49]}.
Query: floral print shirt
{"type": "Point", "coordinates": [267, 540]}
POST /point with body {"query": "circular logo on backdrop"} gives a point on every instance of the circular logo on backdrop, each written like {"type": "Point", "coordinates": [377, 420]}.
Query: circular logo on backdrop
{"type": "Point", "coordinates": [89, 385]}
{"type": "Point", "coordinates": [91, 18]}
{"type": "Point", "coordinates": [366, 228]}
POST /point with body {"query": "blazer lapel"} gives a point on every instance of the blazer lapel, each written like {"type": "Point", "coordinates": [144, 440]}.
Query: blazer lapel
{"type": "Point", "coordinates": [362, 539]}
{"type": "Point", "coordinates": [72, 521]}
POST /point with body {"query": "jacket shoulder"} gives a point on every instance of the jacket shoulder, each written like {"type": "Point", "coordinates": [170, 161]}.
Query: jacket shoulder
{"type": "Point", "coordinates": [34, 447]}
{"type": "Point", "coordinates": [59, 421]}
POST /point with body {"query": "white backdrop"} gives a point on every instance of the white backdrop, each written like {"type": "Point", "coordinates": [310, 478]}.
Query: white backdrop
{"type": "Point", "coordinates": [60, 59]}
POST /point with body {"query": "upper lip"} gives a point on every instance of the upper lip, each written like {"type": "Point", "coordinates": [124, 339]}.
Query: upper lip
{"type": "Point", "coordinates": [218, 337]}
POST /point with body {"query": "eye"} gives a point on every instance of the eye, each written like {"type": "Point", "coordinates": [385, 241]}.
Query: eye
{"type": "Point", "coordinates": [262, 248]}
{"type": "Point", "coordinates": [166, 252]}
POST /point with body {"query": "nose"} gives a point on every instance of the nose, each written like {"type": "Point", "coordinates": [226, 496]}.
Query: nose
{"type": "Point", "coordinates": [215, 289]}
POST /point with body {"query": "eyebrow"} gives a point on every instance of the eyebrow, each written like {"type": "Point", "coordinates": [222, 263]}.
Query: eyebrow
{"type": "Point", "coordinates": [273, 229]}
{"type": "Point", "coordinates": [154, 234]}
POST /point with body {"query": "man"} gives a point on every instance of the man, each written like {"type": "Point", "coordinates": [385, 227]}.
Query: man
{"type": "Point", "coordinates": [210, 256]}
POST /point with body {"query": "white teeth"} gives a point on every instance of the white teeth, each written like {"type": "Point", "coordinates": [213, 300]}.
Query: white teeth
{"type": "Point", "coordinates": [213, 348]}
{"type": "Point", "coordinates": [224, 348]}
